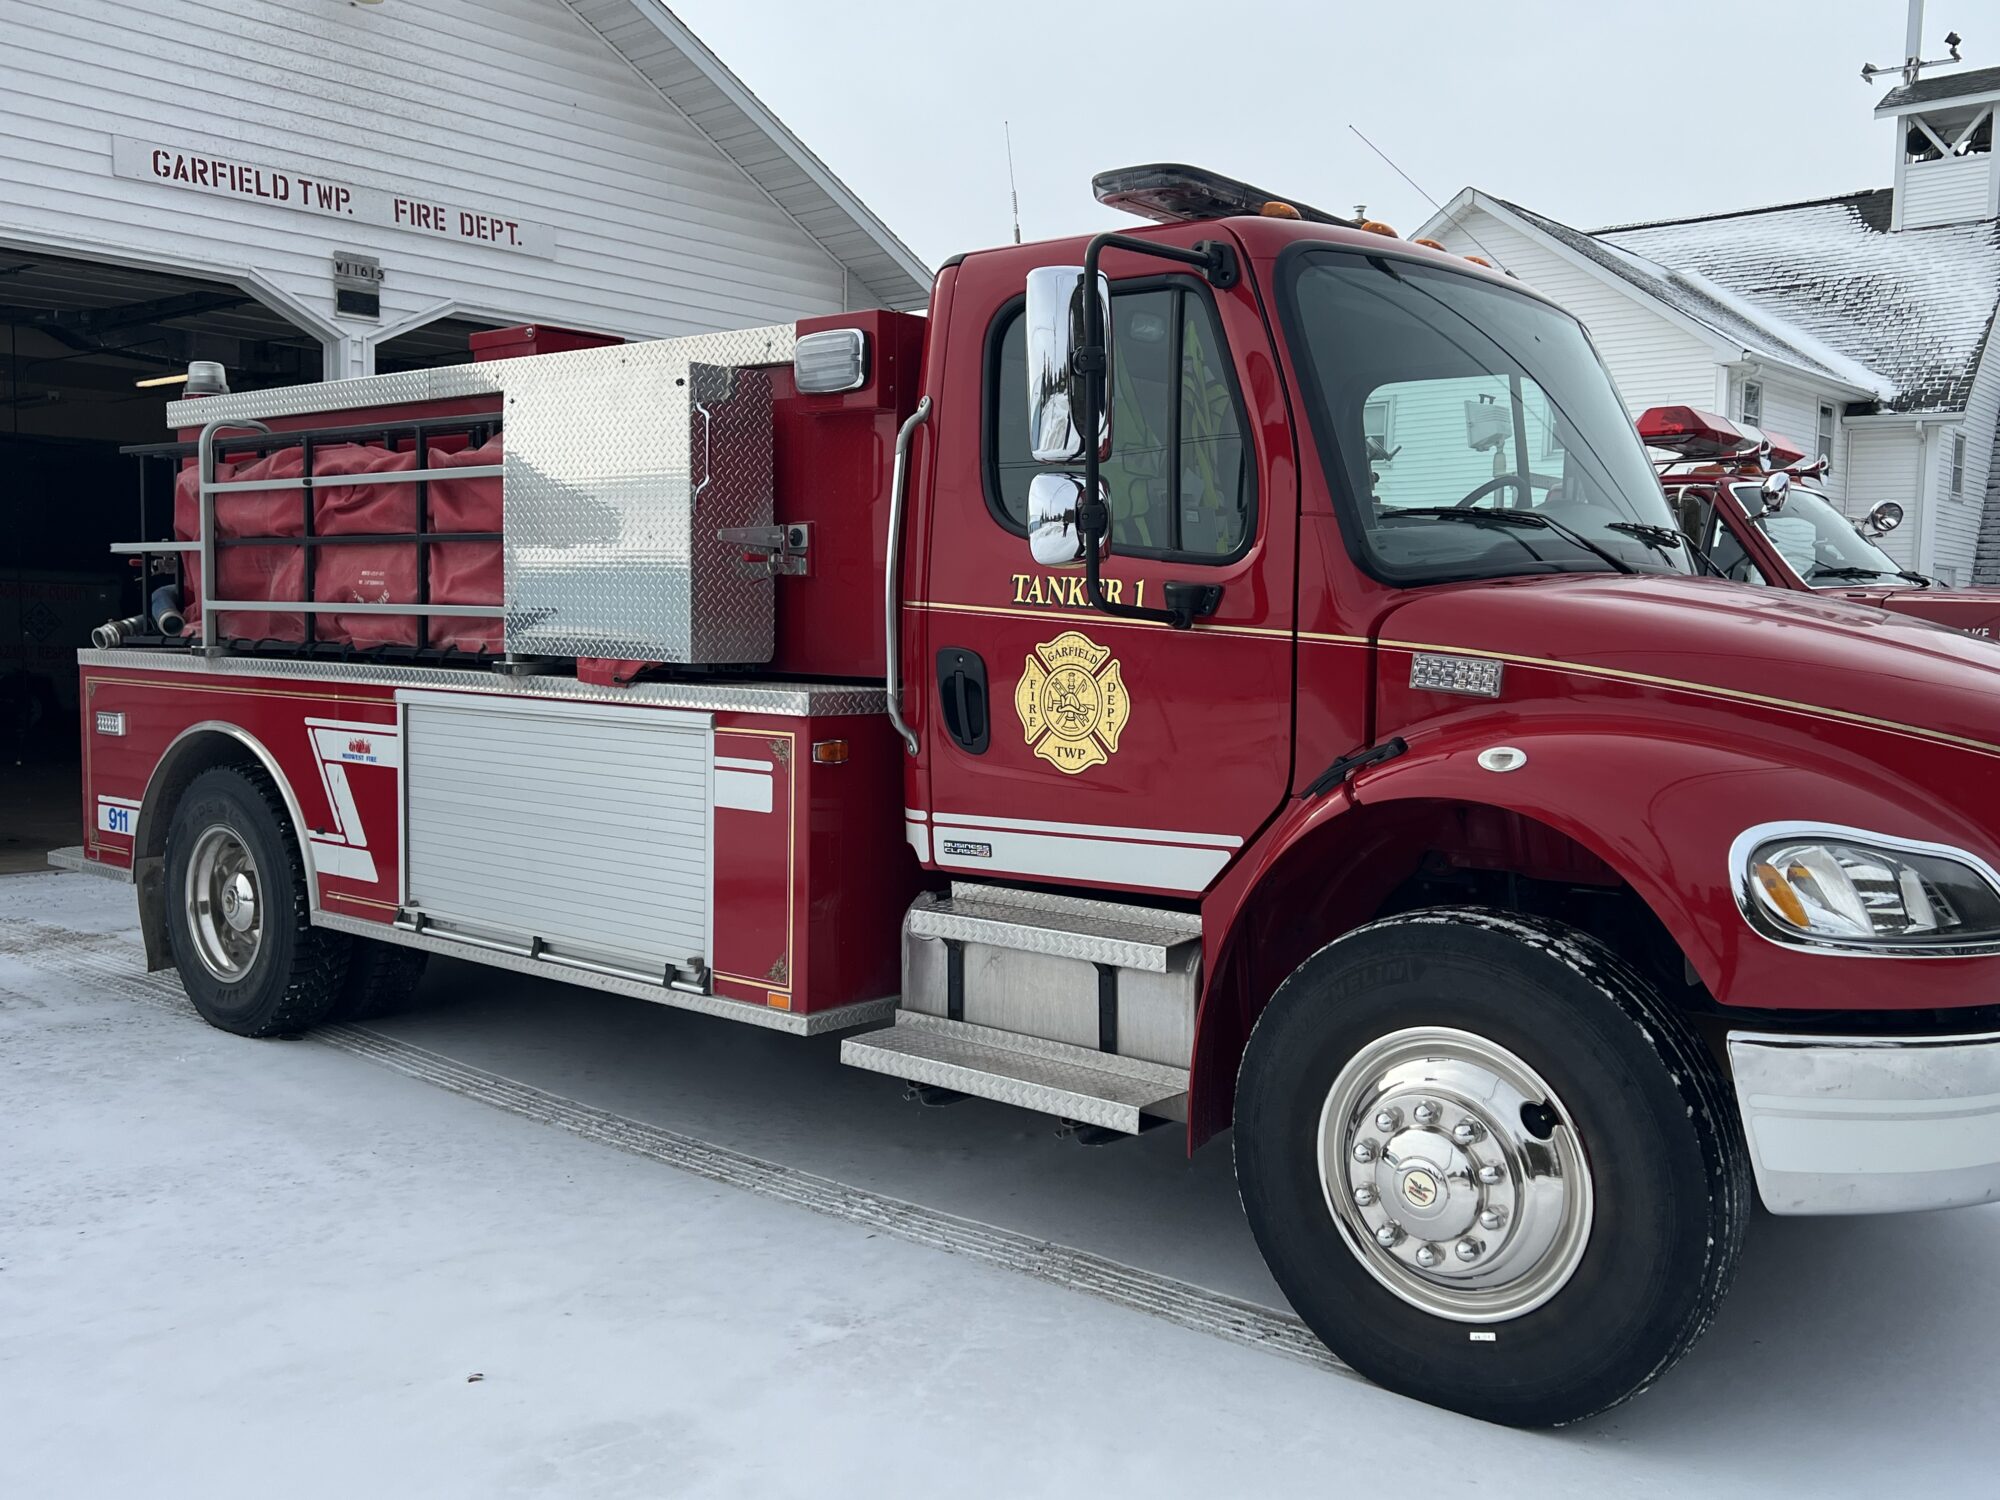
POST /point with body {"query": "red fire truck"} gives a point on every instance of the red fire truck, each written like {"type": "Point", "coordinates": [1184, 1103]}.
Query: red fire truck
{"type": "Point", "coordinates": [1242, 672]}
{"type": "Point", "coordinates": [1752, 504]}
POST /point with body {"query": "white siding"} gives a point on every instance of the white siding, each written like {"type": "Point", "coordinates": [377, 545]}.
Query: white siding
{"type": "Point", "coordinates": [1952, 190]}
{"type": "Point", "coordinates": [1792, 412]}
{"type": "Point", "coordinates": [514, 104]}
{"type": "Point", "coordinates": [1955, 529]}
{"type": "Point", "coordinates": [1882, 465]}
{"type": "Point", "coordinates": [1654, 360]}
{"type": "Point", "coordinates": [1982, 460]}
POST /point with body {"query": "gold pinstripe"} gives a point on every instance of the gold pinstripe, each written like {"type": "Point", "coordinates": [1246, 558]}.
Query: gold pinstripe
{"type": "Point", "coordinates": [1706, 690]}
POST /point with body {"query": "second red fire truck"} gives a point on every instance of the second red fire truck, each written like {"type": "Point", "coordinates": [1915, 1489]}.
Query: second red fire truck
{"type": "Point", "coordinates": [1241, 673]}
{"type": "Point", "coordinates": [1753, 505]}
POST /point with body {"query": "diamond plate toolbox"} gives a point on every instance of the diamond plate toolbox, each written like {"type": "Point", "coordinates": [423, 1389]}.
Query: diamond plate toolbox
{"type": "Point", "coordinates": [622, 465]}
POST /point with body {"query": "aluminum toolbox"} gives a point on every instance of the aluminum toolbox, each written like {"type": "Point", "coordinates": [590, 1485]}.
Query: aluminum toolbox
{"type": "Point", "coordinates": [623, 465]}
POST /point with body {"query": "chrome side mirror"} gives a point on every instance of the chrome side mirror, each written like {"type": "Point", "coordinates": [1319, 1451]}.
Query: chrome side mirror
{"type": "Point", "coordinates": [1775, 490]}
{"type": "Point", "coordinates": [1053, 537]}
{"type": "Point", "coordinates": [1884, 518]}
{"type": "Point", "coordinates": [1055, 328]}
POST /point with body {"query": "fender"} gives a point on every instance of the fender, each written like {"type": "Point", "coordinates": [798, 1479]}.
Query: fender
{"type": "Point", "coordinates": [187, 755]}
{"type": "Point", "coordinates": [1704, 781]}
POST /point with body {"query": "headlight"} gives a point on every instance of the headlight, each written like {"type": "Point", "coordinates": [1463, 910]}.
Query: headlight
{"type": "Point", "coordinates": [1844, 888]}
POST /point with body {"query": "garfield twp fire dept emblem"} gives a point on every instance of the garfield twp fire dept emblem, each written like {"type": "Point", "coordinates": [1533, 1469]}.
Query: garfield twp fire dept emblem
{"type": "Point", "coordinates": [1072, 702]}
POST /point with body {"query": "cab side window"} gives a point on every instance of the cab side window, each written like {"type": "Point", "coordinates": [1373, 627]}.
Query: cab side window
{"type": "Point", "coordinates": [1179, 478]}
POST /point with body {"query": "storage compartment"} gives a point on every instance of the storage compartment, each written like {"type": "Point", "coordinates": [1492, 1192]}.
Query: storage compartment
{"type": "Point", "coordinates": [574, 831]}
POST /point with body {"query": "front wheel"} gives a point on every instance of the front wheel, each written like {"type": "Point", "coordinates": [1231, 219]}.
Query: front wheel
{"type": "Point", "coordinates": [238, 920]}
{"type": "Point", "coordinates": [1489, 1167]}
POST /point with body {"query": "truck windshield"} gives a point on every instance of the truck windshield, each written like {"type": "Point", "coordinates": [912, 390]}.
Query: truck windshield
{"type": "Point", "coordinates": [1816, 541]}
{"type": "Point", "coordinates": [1468, 431]}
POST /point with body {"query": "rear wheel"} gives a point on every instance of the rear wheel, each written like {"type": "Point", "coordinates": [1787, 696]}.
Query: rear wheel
{"type": "Point", "coordinates": [382, 979]}
{"type": "Point", "coordinates": [1488, 1166]}
{"type": "Point", "coordinates": [238, 918]}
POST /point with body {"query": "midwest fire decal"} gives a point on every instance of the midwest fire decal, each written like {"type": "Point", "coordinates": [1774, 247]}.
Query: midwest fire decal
{"type": "Point", "coordinates": [1072, 702]}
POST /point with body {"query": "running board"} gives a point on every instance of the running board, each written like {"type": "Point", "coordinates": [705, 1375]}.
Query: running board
{"type": "Point", "coordinates": [1139, 938]}
{"type": "Point", "coordinates": [1074, 1083]}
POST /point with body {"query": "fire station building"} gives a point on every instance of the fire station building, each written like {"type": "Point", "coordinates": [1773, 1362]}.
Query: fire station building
{"type": "Point", "coordinates": [307, 189]}
{"type": "Point", "coordinates": [1860, 327]}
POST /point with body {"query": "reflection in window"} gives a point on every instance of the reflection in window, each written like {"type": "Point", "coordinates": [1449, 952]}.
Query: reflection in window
{"type": "Point", "coordinates": [1179, 477]}
{"type": "Point", "coordinates": [1462, 436]}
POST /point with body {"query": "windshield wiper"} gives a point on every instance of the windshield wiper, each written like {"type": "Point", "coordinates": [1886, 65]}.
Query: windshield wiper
{"type": "Point", "coordinates": [1517, 518]}
{"type": "Point", "coordinates": [1666, 539]}
{"type": "Point", "coordinates": [1921, 580]}
{"type": "Point", "coordinates": [1847, 573]}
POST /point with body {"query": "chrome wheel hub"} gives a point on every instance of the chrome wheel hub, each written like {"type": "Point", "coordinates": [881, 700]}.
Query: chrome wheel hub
{"type": "Point", "coordinates": [1454, 1175]}
{"type": "Point", "coordinates": [224, 909]}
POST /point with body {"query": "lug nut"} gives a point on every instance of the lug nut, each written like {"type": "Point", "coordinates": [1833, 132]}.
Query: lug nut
{"type": "Point", "coordinates": [1388, 1121]}
{"type": "Point", "coordinates": [1365, 1196]}
{"type": "Point", "coordinates": [1428, 1257]}
{"type": "Point", "coordinates": [1465, 1132]}
{"type": "Point", "coordinates": [1364, 1152]}
{"type": "Point", "coordinates": [1469, 1250]}
{"type": "Point", "coordinates": [1491, 1218]}
{"type": "Point", "coordinates": [1389, 1236]}
{"type": "Point", "coordinates": [1490, 1175]}
{"type": "Point", "coordinates": [1427, 1114]}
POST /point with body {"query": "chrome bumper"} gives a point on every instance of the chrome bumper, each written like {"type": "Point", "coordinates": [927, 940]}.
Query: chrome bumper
{"type": "Point", "coordinates": [1870, 1125]}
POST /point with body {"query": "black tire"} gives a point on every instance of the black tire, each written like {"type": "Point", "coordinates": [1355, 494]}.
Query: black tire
{"type": "Point", "coordinates": [382, 979]}
{"type": "Point", "coordinates": [1657, 1125]}
{"type": "Point", "coordinates": [293, 975]}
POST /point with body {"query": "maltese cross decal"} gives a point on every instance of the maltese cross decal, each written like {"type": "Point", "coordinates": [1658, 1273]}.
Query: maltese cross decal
{"type": "Point", "coordinates": [1072, 702]}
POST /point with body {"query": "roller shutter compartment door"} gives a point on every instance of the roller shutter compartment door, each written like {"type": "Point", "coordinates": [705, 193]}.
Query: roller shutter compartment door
{"type": "Point", "coordinates": [588, 828]}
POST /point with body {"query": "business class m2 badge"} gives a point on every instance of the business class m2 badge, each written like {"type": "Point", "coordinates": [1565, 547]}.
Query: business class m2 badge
{"type": "Point", "coordinates": [1072, 702]}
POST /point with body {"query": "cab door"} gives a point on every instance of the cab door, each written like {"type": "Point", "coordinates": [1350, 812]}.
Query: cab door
{"type": "Point", "coordinates": [1719, 528]}
{"type": "Point", "coordinates": [1062, 745]}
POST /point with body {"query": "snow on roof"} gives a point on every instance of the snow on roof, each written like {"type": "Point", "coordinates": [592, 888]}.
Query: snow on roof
{"type": "Point", "coordinates": [1828, 281]}
{"type": "Point", "coordinates": [1940, 86]}
{"type": "Point", "coordinates": [1712, 302]}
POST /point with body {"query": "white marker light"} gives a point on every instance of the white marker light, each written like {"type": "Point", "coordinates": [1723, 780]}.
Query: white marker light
{"type": "Point", "coordinates": [831, 361]}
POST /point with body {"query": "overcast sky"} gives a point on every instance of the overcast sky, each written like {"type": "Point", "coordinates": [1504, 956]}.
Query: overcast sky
{"type": "Point", "coordinates": [1592, 111]}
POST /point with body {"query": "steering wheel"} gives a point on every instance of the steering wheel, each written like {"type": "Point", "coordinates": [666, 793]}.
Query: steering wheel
{"type": "Point", "coordinates": [1498, 481]}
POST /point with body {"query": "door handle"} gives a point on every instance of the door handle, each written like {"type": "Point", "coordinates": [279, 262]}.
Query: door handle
{"type": "Point", "coordinates": [962, 699]}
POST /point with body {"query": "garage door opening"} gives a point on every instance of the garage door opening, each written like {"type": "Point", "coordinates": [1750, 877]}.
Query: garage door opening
{"type": "Point", "coordinates": [446, 341]}
{"type": "Point", "coordinates": [77, 339]}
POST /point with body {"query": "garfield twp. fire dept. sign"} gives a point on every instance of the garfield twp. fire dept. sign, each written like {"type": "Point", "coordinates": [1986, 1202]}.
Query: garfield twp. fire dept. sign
{"type": "Point", "coordinates": [312, 191]}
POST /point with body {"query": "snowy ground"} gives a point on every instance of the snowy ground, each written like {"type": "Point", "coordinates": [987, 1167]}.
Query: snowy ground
{"type": "Point", "coordinates": [253, 1268]}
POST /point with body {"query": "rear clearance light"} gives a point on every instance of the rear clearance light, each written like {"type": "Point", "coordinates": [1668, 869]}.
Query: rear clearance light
{"type": "Point", "coordinates": [829, 752]}
{"type": "Point", "coordinates": [1691, 433]}
{"type": "Point", "coordinates": [1170, 193]}
{"type": "Point", "coordinates": [831, 361]}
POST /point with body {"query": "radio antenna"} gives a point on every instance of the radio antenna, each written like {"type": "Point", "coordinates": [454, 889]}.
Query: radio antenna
{"type": "Point", "coordinates": [1012, 191]}
{"type": "Point", "coordinates": [1456, 224]}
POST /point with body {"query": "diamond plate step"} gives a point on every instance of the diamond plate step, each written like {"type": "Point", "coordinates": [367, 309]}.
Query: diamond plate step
{"type": "Point", "coordinates": [1053, 1077]}
{"type": "Point", "coordinates": [1099, 932]}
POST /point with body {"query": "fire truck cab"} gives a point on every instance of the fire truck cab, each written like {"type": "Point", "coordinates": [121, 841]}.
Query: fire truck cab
{"type": "Point", "coordinates": [1751, 503]}
{"type": "Point", "coordinates": [1241, 673]}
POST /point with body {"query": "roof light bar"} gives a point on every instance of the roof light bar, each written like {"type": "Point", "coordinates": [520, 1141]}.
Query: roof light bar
{"type": "Point", "coordinates": [1690, 433]}
{"type": "Point", "coordinates": [1174, 193]}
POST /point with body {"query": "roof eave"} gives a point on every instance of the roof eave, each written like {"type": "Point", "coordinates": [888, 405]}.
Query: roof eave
{"type": "Point", "coordinates": [900, 262]}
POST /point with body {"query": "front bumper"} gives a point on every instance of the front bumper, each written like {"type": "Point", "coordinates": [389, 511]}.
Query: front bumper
{"type": "Point", "coordinates": [1870, 1125]}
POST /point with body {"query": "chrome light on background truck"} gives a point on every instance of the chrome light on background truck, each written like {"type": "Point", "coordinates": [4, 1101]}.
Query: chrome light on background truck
{"type": "Point", "coordinates": [1055, 329]}
{"type": "Point", "coordinates": [1883, 518]}
{"type": "Point", "coordinates": [1854, 891]}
